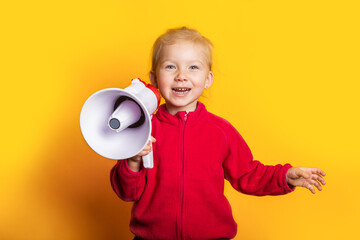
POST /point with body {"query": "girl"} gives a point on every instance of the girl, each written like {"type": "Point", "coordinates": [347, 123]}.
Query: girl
{"type": "Point", "coordinates": [182, 197]}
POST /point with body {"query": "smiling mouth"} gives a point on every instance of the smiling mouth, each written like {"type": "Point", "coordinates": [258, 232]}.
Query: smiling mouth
{"type": "Point", "coordinates": [181, 90]}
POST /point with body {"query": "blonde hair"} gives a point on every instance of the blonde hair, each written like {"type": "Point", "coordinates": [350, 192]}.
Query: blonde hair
{"type": "Point", "coordinates": [171, 36]}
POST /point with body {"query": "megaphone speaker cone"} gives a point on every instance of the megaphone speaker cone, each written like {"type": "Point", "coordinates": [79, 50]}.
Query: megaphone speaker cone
{"type": "Point", "coordinates": [94, 122]}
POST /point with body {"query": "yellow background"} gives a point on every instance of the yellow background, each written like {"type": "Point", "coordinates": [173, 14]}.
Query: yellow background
{"type": "Point", "coordinates": [286, 76]}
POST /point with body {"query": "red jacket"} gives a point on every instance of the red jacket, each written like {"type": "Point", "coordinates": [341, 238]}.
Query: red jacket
{"type": "Point", "coordinates": [182, 197]}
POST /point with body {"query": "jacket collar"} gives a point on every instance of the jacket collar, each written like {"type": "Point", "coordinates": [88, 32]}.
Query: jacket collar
{"type": "Point", "coordinates": [191, 118]}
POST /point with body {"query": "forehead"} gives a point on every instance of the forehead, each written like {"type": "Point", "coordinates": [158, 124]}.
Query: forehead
{"type": "Point", "coordinates": [183, 50]}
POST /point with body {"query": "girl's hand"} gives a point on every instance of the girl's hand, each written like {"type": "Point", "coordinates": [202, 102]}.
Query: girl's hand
{"type": "Point", "coordinates": [134, 162]}
{"type": "Point", "coordinates": [305, 177]}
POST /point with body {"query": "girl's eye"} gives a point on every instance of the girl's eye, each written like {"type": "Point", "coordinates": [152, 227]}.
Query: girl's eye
{"type": "Point", "coordinates": [170, 67]}
{"type": "Point", "coordinates": [194, 67]}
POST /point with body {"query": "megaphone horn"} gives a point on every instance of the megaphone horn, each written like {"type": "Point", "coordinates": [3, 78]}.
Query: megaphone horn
{"type": "Point", "coordinates": [116, 123]}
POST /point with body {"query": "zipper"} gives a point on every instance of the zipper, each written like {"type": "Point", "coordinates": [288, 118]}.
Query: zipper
{"type": "Point", "coordinates": [182, 179]}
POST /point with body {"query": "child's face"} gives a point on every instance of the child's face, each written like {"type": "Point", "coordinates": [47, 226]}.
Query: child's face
{"type": "Point", "coordinates": [181, 76]}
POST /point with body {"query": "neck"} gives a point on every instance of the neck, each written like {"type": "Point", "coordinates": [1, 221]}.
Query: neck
{"type": "Point", "coordinates": [174, 110]}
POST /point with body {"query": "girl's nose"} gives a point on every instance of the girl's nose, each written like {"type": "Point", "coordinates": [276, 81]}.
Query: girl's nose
{"type": "Point", "coordinates": [180, 76]}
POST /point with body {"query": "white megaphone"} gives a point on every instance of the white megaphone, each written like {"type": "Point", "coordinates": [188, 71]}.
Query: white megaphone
{"type": "Point", "coordinates": [116, 123]}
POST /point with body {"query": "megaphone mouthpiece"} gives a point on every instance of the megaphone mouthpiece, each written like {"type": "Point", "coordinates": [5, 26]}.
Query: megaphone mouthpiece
{"type": "Point", "coordinates": [125, 115]}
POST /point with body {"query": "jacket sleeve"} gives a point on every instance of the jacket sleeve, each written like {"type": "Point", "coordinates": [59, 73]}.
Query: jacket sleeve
{"type": "Point", "coordinates": [128, 185]}
{"type": "Point", "coordinates": [249, 176]}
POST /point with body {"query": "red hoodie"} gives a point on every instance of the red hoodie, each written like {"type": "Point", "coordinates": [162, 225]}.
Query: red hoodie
{"type": "Point", "coordinates": [182, 197]}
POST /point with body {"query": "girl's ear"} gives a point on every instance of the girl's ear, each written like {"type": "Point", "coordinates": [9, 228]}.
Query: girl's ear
{"type": "Point", "coordinates": [209, 79]}
{"type": "Point", "coordinates": [153, 79]}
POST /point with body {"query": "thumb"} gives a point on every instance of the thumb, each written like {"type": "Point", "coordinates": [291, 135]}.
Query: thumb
{"type": "Point", "coordinates": [302, 173]}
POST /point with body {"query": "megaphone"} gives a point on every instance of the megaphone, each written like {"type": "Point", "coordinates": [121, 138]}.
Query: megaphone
{"type": "Point", "coordinates": [116, 123]}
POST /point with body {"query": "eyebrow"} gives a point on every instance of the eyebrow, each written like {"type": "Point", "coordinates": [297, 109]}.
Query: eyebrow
{"type": "Point", "coordinates": [174, 61]}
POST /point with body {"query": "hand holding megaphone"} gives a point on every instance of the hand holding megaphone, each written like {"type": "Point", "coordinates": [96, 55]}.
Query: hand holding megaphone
{"type": "Point", "coordinates": [145, 155]}
{"type": "Point", "coordinates": [116, 123]}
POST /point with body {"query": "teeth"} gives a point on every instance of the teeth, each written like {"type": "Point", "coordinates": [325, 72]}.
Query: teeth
{"type": "Point", "coordinates": [181, 89]}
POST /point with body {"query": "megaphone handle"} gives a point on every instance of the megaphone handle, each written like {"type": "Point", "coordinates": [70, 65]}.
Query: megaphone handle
{"type": "Point", "coordinates": [148, 160]}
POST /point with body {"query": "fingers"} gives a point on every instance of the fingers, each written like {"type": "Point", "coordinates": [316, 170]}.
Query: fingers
{"type": "Point", "coordinates": [316, 178]}
{"type": "Point", "coordinates": [148, 148]}
{"type": "Point", "coordinates": [301, 172]}
{"type": "Point", "coordinates": [317, 171]}
{"type": "Point", "coordinates": [311, 188]}
{"type": "Point", "coordinates": [316, 184]}
{"type": "Point", "coordinates": [319, 179]}
{"type": "Point", "coordinates": [310, 185]}
{"type": "Point", "coordinates": [296, 173]}
{"type": "Point", "coordinates": [314, 181]}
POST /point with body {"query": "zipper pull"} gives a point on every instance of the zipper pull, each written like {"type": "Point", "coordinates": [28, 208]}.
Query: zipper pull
{"type": "Point", "coordinates": [186, 115]}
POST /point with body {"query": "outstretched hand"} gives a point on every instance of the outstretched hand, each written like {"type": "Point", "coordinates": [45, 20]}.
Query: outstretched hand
{"type": "Point", "coordinates": [305, 177]}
